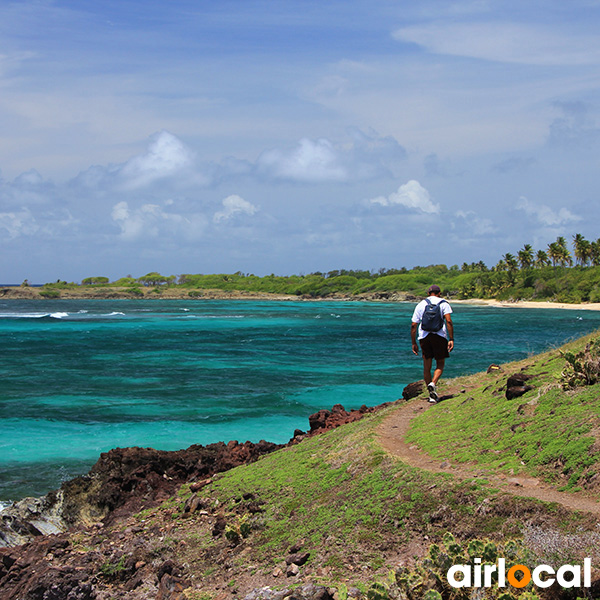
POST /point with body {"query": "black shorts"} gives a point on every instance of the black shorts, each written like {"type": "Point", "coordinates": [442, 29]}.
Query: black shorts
{"type": "Point", "coordinates": [434, 346]}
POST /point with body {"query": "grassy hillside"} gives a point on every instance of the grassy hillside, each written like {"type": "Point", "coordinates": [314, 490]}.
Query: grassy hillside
{"type": "Point", "coordinates": [552, 432]}
{"type": "Point", "coordinates": [369, 521]}
{"type": "Point", "coordinates": [339, 511]}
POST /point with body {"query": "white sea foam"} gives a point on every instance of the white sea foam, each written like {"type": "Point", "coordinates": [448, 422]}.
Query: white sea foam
{"type": "Point", "coordinates": [4, 504]}
{"type": "Point", "coordinates": [58, 315]}
{"type": "Point", "coordinates": [115, 314]}
{"type": "Point", "coordinates": [23, 315]}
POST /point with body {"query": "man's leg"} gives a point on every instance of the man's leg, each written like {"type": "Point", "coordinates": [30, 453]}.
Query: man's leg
{"type": "Point", "coordinates": [439, 369]}
{"type": "Point", "coordinates": [427, 362]}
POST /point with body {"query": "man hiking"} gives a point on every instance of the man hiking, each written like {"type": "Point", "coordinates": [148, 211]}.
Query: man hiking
{"type": "Point", "coordinates": [431, 320]}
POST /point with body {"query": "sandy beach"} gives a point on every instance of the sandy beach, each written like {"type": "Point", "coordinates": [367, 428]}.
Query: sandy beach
{"type": "Point", "coordinates": [529, 304]}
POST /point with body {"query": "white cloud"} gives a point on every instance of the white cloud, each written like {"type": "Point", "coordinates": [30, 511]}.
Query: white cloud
{"type": "Point", "coordinates": [411, 195]}
{"type": "Point", "coordinates": [151, 221]}
{"type": "Point", "coordinates": [365, 155]}
{"type": "Point", "coordinates": [505, 42]}
{"type": "Point", "coordinates": [308, 161]}
{"type": "Point", "coordinates": [165, 157]}
{"type": "Point", "coordinates": [472, 223]}
{"type": "Point", "coordinates": [545, 215]}
{"type": "Point", "coordinates": [234, 205]}
{"type": "Point", "coordinates": [18, 223]}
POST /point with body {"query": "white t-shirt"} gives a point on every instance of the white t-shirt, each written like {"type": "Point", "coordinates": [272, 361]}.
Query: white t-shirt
{"type": "Point", "coordinates": [445, 309]}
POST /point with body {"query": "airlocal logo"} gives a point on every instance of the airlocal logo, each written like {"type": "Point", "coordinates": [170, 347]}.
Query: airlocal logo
{"type": "Point", "coordinates": [478, 575]}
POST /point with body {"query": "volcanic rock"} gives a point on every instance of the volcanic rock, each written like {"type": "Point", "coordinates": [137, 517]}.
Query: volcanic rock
{"type": "Point", "coordinates": [412, 390]}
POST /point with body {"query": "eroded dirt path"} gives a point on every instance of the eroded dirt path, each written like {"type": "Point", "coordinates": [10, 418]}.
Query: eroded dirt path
{"type": "Point", "coordinates": [391, 433]}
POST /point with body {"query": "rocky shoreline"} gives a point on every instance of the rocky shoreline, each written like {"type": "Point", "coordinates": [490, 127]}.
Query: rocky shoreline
{"type": "Point", "coordinates": [40, 559]}
{"type": "Point", "coordinates": [174, 293]}
{"type": "Point", "coordinates": [152, 293]}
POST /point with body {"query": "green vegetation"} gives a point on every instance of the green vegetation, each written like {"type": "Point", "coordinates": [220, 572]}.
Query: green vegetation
{"type": "Point", "coordinates": [546, 432]}
{"type": "Point", "coordinates": [548, 274]}
{"type": "Point", "coordinates": [111, 569]}
{"type": "Point", "coordinates": [50, 294]}
{"type": "Point", "coordinates": [96, 281]}
{"type": "Point", "coordinates": [582, 368]}
{"type": "Point", "coordinates": [429, 575]}
{"type": "Point", "coordinates": [354, 508]}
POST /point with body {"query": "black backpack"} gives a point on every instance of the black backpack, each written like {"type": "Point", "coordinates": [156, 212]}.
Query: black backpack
{"type": "Point", "coordinates": [432, 319]}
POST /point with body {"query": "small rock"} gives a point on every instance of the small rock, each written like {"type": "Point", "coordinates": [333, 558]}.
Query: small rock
{"type": "Point", "coordinates": [412, 390]}
{"type": "Point", "coordinates": [198, 485]}
{"type": "Point", "coordinates": [516, 391]}
{"type": "Point", "coordinates": [292, 570]}
{"type": "Point", "coordinates": [299, 558]}
{"type": "Point", "coordinates": [192, 505]}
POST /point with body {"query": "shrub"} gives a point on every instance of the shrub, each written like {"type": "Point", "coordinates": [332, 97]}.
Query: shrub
{"type": "Point", "coordinates": [135, 291]}
{"type": "Point", "coordinates": [582, 368]}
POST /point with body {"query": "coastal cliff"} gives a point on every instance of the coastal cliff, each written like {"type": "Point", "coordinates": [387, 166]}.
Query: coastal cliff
{"type": "Point", "coordinates": [123, 482]}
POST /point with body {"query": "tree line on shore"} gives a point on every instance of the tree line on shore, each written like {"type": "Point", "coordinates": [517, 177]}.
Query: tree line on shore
{"type": "Point", "coordinates": [552, 273]}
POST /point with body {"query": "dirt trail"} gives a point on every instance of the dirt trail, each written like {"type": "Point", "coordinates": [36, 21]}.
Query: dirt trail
{"type": "Point", "coordinates": [391, 434]}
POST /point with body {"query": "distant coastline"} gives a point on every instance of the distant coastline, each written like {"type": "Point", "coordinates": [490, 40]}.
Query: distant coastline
{"type": "Point", "coordinates": [176, 293]}
{"type": "Point", "coordinates": [150, 293]}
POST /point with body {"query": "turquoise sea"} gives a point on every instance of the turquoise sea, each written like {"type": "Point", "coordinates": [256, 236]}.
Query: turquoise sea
{"type": "Point", "coordinates": [81, 377]}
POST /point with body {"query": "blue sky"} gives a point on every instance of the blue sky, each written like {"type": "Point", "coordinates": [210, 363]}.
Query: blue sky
{"type": "Point", "coordinates": [292, 136]}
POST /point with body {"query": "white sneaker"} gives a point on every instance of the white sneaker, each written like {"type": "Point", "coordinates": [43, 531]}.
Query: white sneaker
{"type": "Point", "coordinates": [433, 397]}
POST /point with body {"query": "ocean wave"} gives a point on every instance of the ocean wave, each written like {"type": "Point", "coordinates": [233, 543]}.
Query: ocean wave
{"type": "Point", "coordinates": [81, 315]}
{"type": "Point", "coordinates": [24, 315]}
{"type": "Point", "coordinates": [56, 315]}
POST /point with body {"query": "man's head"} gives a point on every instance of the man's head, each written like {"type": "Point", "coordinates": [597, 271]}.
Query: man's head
{"type": "Point", "coordinates": [434, 290]}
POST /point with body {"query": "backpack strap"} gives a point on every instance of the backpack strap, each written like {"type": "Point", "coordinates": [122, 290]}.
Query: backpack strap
{"type": "Point", "coordinates": [429, 301]}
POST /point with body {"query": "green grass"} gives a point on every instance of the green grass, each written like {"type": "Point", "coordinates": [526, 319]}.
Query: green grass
{"type": "Point", "coordinates": [356, 509]}
{"type": "Point", "coordinates": [547, 432]}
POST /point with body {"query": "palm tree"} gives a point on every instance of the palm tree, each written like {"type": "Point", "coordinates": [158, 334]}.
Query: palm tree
{"type": "Point", "coordinates": [582, 249]}
{"type": "Point", "coordinates": [541, 259]}
{"type": "Point", "coordinates": [564, 256]}
{"type": "Point", "coordinates": [525, 256]}
{"type": "Point", "coordinates": [559, 253]}
{"type": "Point", "coordinates": [595, 252]}
{"type": "Point", "coordinates": [501, 266]}
{"type": "Point", "coordinates": [554, 252]}
{"type": "Point", "coordinates": [511, 262]}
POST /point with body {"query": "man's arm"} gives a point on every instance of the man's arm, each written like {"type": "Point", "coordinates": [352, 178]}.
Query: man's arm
{"type": "Point", "coordinates": [450, 329]}
{"type": "Point", "coordinates": [413, 335]}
